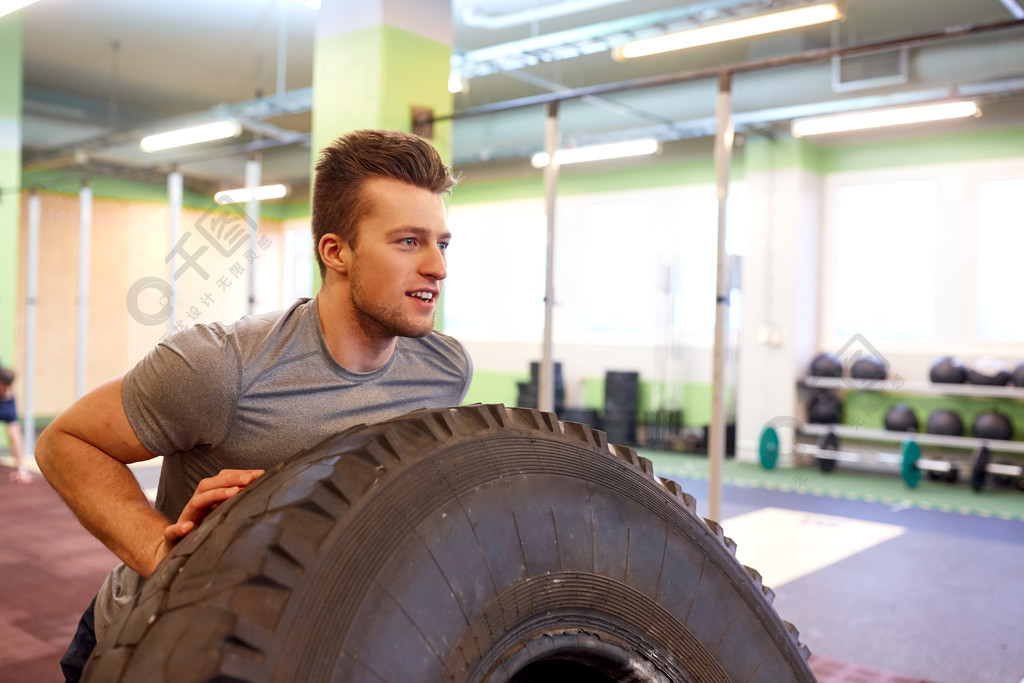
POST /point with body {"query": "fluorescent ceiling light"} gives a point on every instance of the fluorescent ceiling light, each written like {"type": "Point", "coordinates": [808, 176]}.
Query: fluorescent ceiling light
{"type": "Point", "coordinates": [612, 150]}
{"type": "Point", "coordinates": [741, 28]}
{"type": "Point", "coordinates": [834, 123]}
{"type": "Point", "coordinates": [245, 194]}
{"type": "Point", "coordinates": [8, 6]}
{"type": "Point", "coordinates": [190, 136]}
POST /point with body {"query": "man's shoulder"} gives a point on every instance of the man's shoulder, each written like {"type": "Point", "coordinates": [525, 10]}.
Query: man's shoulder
{"type": "Point", "coordinates": [437, 354]}
{"type": "Point", "coordinates": [259, 324]}
{"type": "Point", "coordinates": [435, 342]}
{"type": "Point", "coordinates": [248, 332]}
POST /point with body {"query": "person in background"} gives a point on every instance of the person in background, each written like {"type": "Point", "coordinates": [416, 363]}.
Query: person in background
{"type": "Point", "coordinates": [9, 416]}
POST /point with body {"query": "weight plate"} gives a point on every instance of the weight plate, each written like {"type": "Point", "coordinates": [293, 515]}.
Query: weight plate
{"type": "Point", "coordinates": [910, 471]}
{"type": "Point", "coordinates": [769, 447]}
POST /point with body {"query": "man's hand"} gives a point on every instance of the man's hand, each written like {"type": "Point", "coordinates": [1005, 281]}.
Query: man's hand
{"type": "Point", "coordinates": [210, 493]}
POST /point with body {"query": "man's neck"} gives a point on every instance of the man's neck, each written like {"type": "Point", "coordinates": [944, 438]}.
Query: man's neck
{"type": "Point", "coordinates": [349, 343]}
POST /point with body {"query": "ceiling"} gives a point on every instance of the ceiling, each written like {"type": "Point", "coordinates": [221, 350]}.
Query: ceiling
{"type": "Point", "coordinates": [100, 74]}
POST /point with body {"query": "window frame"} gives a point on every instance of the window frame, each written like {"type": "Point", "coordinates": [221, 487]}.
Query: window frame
{"type": "Point", "coordinates": [953, 330]}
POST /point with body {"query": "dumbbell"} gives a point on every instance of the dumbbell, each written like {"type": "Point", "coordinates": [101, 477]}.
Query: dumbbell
{"type": "Point", "coordinates": [983, 466]}
{"type": "Point", "coordinates": [912, 464]}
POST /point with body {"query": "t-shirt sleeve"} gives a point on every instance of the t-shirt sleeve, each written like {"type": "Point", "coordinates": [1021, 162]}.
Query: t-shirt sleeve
{"type": "Point", "coordinates": [456, 361]}
{"type": "Point", "coordinates": [183, 393]}
{"type": "Point", "coordinates": [468, 370]}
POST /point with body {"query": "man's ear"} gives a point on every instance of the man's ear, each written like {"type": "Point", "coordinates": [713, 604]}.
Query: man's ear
{"type": "Point", "coordinates": [333, 252]}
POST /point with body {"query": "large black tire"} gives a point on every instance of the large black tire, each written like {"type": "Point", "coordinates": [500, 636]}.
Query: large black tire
{"type": "Point", "coordinates": [468, 544]}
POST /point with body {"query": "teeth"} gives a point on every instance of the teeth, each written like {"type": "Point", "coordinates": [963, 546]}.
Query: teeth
{"type": "Point", "coordinates": [426, 296]}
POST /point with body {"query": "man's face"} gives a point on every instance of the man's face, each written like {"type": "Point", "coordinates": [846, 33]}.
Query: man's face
{"type": "Point", "coordinates": [396, 269]}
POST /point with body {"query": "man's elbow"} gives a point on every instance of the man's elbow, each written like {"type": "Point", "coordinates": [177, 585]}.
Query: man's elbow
{"type": "Point", "coordinates": [44, 449]}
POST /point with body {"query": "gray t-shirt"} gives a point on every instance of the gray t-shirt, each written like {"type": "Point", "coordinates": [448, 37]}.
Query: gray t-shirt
{"type": "Point", "coordinates": [256, 392]}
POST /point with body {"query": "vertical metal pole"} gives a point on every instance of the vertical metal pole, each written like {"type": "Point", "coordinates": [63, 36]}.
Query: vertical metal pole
{"type": "Point", "coordinates": [252, 213]}
{"type": "Point", "coordinates": [282, 47]}
{"type": "Point", "coordinates": [545, 381]}
{"type": "Point", "coordinates": [84, 242]}
{"type": "Point", "coordinates": [30, 323]}
{"type": "Point", "coordinates": [716, 437]}
{"type": "Point", "coordinates": [175, 191]}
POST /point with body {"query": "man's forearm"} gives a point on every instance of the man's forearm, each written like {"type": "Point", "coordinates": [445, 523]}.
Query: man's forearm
{"type": "Point", "coordinates": [104, 495]}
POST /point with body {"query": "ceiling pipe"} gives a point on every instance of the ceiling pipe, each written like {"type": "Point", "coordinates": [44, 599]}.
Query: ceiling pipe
{"type": "Point", "coordinates": [472, 17]}
{"type": "Point", "coordinates": [814, 55]}
{"type": "Point", "coordinates": [760, 119]}
{"type": "Point", "coordinates": [592, 39]}
{"type": "Point", "coordinates": [249, 112]}
{"type": "Point", "coordinates": [1014, 8]}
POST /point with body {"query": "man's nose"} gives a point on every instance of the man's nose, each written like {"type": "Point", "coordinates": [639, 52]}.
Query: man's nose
{"type": "Point", "coordinates": [434, 264]}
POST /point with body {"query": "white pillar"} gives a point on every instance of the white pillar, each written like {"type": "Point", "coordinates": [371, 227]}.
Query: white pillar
{"type": "Point", "coordinates": [546, 378]}
{"type": "Point", "coordinates": [84, 243]}
{"type": "Point", "coordinates": [175, 191]}
{"type": "Point", "coordinates": [716, 433]}
{"type": "Point", "coordinates": [781, 282]}
{"type": "Point", "coordinates": [253, 169]}
{"type": "Point", "coordinates": [30, 323]}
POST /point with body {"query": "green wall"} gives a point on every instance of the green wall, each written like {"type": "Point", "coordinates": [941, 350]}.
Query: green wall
{"type": "Point", "coordinates": [10, 172]}
{"type": "Point", "coordinates": [868, 409]}
{"type": "Point", "coordinates": [573, 181]}
{"type": "Point", "coordinates": [63, 182]}
{"type": "Point", "coordinates": [376, 74]}
{"type": "Point", "coordinates": [997, 143]}
{"type": "Point", "coordinates": [501, 387]}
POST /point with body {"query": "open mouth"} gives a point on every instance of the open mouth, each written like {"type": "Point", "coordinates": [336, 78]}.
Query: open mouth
{"type": "Point", "coordinates": [423, 296]}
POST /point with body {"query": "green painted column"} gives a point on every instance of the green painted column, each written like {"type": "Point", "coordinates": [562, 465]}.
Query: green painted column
{"type": "Point", "coordinates": [374, 63]}
{"type": "Point", "coordinates": [10, 179]}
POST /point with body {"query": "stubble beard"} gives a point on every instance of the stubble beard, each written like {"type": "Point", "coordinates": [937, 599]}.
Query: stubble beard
{"type": "Point", "coordinates": [382, 320]}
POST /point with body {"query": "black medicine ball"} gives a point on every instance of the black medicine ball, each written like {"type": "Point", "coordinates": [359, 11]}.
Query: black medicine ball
{"type": "Point", "coordinates": [948, 371]}
{"type": "Point", "coordinates": [989, 372]}
{"type": "Point", "coordinates": [992, 425]}
{"type": "Point", "coordinates": [1018, 375]}
{"type": "Point", "coordinates": [901, 418]}
{"type": "Point", "coordinates": [824, 408]}
{"type": "Point", "coordinates": [946, 423]}
{"type": "Point", "coordinates": [868, 367]}
{"type": "Point", "coordinates": [826, 365]}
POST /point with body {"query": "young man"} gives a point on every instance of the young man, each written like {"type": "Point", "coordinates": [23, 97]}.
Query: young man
{"type": "Point", "coordinates": [223, 403]}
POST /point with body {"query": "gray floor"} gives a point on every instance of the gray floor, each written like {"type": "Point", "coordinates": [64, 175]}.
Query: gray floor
{"type": "Point", "coordinates": [942, 602]}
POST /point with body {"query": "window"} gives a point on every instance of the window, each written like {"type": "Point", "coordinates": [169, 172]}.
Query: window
{"type": "Point", "coordinates": [998, 261]}
{"type": "Point", "coordinates": [636, 268]}
{"type": "Point", "coordinates": [623, 244]}
{"type": "Point", "coordinates": [298, 265]}
{"type": "Point", "coordinates": [925, 259]}
{"type": "Point", "coordinates": [496, 271]}
{"type": "Point", "coordinates": [885, 260]}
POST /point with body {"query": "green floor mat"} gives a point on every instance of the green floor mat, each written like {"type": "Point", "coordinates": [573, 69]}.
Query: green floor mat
{"type": "Point", "coordinates": [1005, 503]}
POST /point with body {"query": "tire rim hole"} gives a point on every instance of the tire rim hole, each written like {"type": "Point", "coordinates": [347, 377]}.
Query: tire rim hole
{"type": "Point", "coordinates": [552, 670]}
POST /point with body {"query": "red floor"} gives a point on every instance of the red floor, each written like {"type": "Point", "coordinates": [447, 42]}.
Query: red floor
{"type": "Point", "coordinates": [50, 568]}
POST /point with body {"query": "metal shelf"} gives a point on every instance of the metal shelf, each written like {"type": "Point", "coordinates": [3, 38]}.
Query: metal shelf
{"type": "Point", "coordinates": [890, 386]}
{"type": "Point", "coordinates": [966, 442]}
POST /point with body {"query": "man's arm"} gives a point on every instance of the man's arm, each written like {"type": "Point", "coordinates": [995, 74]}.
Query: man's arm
{"type": "Point", "coordinates": [84, 454]}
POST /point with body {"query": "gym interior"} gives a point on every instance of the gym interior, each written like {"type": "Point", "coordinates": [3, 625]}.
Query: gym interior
{"type": "Point", "coordinates": [811, 330]}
